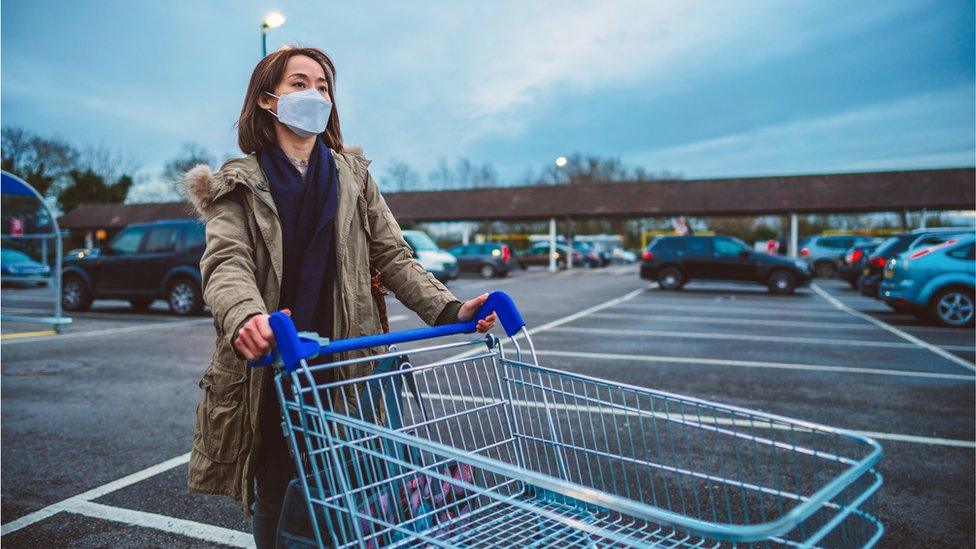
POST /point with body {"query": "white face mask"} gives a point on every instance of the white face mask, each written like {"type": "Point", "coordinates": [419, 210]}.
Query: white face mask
{"type": "Point", "coordinates": [305, 112]}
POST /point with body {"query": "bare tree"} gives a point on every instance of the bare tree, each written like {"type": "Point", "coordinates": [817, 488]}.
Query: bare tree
{"type": "Point", "coordinates": [400, 177]}
{"type": "Point", "coordinates": [42, 162]}
{"type": "Point", "coordinates": [189, 156]}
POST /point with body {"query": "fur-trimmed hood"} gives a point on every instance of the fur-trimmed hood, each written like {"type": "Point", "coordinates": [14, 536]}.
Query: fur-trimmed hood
{"type": "Point", "coordinates": [203, 187]}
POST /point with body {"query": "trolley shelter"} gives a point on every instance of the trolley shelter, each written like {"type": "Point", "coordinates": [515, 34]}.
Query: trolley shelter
{"type": "Point", "coordinates": [32, 254]}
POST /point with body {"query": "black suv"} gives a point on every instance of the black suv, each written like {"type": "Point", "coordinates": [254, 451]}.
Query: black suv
{"type": "Point", "coordinates": [143, 263]}
{"type": "Point", "coordinates": [674, 260]}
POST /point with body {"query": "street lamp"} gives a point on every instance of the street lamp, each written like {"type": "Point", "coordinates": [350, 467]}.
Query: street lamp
{"type": "Point", "coordinates": [271, 21]}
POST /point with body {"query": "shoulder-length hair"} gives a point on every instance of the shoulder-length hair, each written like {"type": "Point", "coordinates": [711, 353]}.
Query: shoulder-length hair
{"type": "Point", "coordinates": [255, 128]}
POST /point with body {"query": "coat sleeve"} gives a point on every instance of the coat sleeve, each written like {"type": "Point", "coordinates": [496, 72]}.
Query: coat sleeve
{"type": "Point", "coordinates": [413, 285]}
{"type": "Point", "coordinates": [227, 267]}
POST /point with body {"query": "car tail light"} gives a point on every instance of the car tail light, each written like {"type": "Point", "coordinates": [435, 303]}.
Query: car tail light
{"type": "Point", "coordinates": [856, 256]}
{"type": "Point", "coordinates": [647, 255]}
{"type": "Point", "coordinates": [506, 253]}
{"type": "Point", "coordinates": [804, 252]}
{"type": "Point", "coordinates": [878, 262]}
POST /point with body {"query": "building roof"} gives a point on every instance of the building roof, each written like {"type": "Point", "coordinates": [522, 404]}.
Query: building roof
{"type": "Point", "coordinates": [117, 216]}
{"type": "Point", "coordinates": [936, 189]}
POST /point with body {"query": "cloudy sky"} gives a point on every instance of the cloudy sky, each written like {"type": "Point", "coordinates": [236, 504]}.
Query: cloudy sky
{"type": "Point", "coordinates": [709, 88]}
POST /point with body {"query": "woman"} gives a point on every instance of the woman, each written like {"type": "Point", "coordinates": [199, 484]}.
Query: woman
{"type": "Point", "coordinates": [296, 224]}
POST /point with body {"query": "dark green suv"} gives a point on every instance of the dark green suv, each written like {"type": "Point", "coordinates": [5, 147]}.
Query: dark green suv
{"type": "Point", "coordinates": [143, 263]}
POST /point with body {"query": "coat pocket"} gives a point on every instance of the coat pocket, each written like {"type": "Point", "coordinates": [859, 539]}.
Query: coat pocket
{"type": "Point", "coordinates": [221, 414]}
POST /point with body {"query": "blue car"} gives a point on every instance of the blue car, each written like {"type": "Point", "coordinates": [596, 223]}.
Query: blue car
{"type": "Point", "coordinates": [18, 268]}
{"type": "Point", "coordinates": [936, 282]}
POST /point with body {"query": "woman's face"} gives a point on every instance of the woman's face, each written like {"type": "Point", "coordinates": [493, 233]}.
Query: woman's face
{"type": "Point", "coordinates": [301, 73]}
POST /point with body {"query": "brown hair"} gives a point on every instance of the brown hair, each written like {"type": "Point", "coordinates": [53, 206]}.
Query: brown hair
{"type": "Point", "coordinates": [255, 128]}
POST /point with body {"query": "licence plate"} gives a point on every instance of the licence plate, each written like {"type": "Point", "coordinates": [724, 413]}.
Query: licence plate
{"type": "Point", "coordinates": [867, 271]}
{"type": "Point", "coordinates": [889, 273]}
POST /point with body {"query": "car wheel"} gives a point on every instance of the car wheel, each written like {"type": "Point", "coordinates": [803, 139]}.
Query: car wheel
{"type": "Point", "coordinates": [953, 307]}
{"type": "Point", "coordinates": [75, 295]}
{"type": "Point", "coordinates": [853, 283]}
{"type": "Point", "coordinates": [560, 264]}
{"type": "Point", "coordinates": [824, 269]}
{"type": "Point", "coordinates": [487, 271]}
{"type": "Point", "coordinates": [781, 282]}
{"type": "Point", "coordinates": [184, 297]}
{"type": "Point", "coordinates": [670, 278]}
{"type": "Point", "coordinates": [141, 304]}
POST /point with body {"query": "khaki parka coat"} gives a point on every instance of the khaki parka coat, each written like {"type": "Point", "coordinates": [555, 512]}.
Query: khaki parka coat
{"type": "Point", "coordinates": [242, 272]}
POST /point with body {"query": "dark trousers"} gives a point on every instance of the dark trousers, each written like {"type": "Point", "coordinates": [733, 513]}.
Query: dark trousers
{"type": "Point", "coordinates": [273, 472]}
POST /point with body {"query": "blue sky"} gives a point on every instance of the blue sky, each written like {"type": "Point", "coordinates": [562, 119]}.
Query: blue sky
{"type": "Point", "coordinates": [703, 88]}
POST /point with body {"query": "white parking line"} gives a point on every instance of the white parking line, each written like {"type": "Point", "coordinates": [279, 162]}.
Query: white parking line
{"type": "Point", "coordinates": [182, 527]}
{"type": "Point", "coordinates": [941, 351]}
{"type": "Point", "coordinates": [755, 364]}
{"type": "Point", "coordinates": [750, 337]}
{"type": "Point", "coordinates": [569, 318]}
{"type": "Point", "coordinates": [725, 310]}
{"type": "Point", "coordinates": [699, 419]}
{"type": "Point", "coordinates": [94, 493]}
{"type": "Point", "coordinates": [111, 331]}
{"type": "Point", "coordinates": [737, 321]}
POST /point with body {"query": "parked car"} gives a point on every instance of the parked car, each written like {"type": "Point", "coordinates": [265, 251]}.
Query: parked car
{"type": "Point", "coordinates": [823, 252]}
{"type": "Point", "coordinates": [18, 269]}
{"type": "Point", "coordinates": [870, 277]}
{"type": "Point", "coordinates": [674, 260]}
{"type": "Point", "coordinates": [489, 259]}
{"type": "Point", "coordinates": [935, 282]}
{"type": "Point", "coordinates": [143, 263]}
{"type": "Point", "coordinates": [437, 261]}
{"type": "Point", "coordinates": [538, 254]}
{"type": "Point", "coordinates": [852, 263]}
{"type": "Point", "coordinates": [591, 257]}
{"type": "Point", "coordinates": [623, 256]}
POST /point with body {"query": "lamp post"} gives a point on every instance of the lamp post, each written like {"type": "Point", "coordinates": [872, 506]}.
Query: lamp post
{"type": "Point", "coordinates": [560, 162]}
{"type": "Point", "coordinates": [272, 20]}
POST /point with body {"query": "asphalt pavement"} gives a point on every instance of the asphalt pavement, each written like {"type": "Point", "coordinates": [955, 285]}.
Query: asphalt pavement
{"type": "Point", "coordinates": [96, 424]}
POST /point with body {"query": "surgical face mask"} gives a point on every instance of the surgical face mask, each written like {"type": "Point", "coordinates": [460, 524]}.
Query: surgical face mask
{"type": "Point", "coordinates": [305, 112]}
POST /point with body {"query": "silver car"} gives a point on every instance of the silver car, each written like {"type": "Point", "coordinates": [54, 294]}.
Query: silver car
{"type": "Point", "coordinates": [823, 253]}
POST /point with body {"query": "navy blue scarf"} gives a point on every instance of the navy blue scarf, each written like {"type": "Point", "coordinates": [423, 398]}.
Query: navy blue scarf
{"type": "Point", "coordinates": [307, 211]}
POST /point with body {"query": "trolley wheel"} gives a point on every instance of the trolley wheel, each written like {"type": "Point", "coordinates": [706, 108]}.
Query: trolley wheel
{"type": "Point", "coordinates": [781, 282]}
{"type": "Point", "coordinates": [487, 271]}
{"type": "Point", "coordinates": [141, 303]}
{"type": "Point", "coordinates": [670, 278]}
{"type": "Point", "coordinates": [184, 297]}
{"type": "Point", "coordinates": [75, 294]}
{"type": "Point", "coordinates": [953, 307]}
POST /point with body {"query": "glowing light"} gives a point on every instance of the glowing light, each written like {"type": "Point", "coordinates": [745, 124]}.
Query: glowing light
{"type": "Point", "coordinates": [561, 161]}
{"type": "Point", "coordinates": [273, 19]}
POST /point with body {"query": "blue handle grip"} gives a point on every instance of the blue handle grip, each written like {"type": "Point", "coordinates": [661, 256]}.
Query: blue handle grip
{"type": "Point", "coordinates": [292, 348]}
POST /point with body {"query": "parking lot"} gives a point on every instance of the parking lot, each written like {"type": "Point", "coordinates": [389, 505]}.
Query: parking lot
{"type": "Point", "coordinates": [97, 423]}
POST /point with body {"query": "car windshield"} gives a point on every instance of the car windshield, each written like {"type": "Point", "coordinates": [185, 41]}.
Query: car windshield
{"type": "Point", "coordinates": [888, 245]}
{"type": "Point", "coordinates": [14, 256]}
{"type": "Point", "coordinates": [420, 242]}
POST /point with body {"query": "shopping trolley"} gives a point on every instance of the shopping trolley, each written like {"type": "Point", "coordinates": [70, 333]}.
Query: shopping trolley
{"type": "Point", "coordinates": [474, 444]}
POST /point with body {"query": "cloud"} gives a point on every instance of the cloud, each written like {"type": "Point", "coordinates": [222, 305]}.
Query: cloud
{"type": "Point", "coordinates": [925, 130]}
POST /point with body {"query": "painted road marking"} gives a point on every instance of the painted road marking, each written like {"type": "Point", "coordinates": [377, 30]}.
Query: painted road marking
{"type": "Point", "coordinates": [756, 364]}
{"type": "Point", "coordinates": [941, 351]}
{"type": "Point", "coordinates": [736, 321]}
{"type": "Point", "coordinates": [183, 527]}
{"type": "Point", "coordinates": [696, 419]}
{"type": "Point", "coordinates": [113, 331]}
{"type": "Point", "coordinates": [21, 335]}
{"type": "Point", "coordinates": [726, 310]}
{"type": "Point", "coordinates": [94, 493]}
{"type": "Point", "coordinates": [751, 337]}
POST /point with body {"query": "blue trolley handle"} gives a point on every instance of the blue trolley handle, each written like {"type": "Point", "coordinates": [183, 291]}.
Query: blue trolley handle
{"type": "Point", "coordinates": [292, 348]}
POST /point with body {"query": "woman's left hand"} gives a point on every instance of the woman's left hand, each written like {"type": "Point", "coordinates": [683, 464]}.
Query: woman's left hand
{"type": "Point", "coordinates": [470, 307]}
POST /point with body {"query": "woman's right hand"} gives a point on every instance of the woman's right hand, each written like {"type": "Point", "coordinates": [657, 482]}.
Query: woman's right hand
{"type": "Point", "coordinates": [255, 338]}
